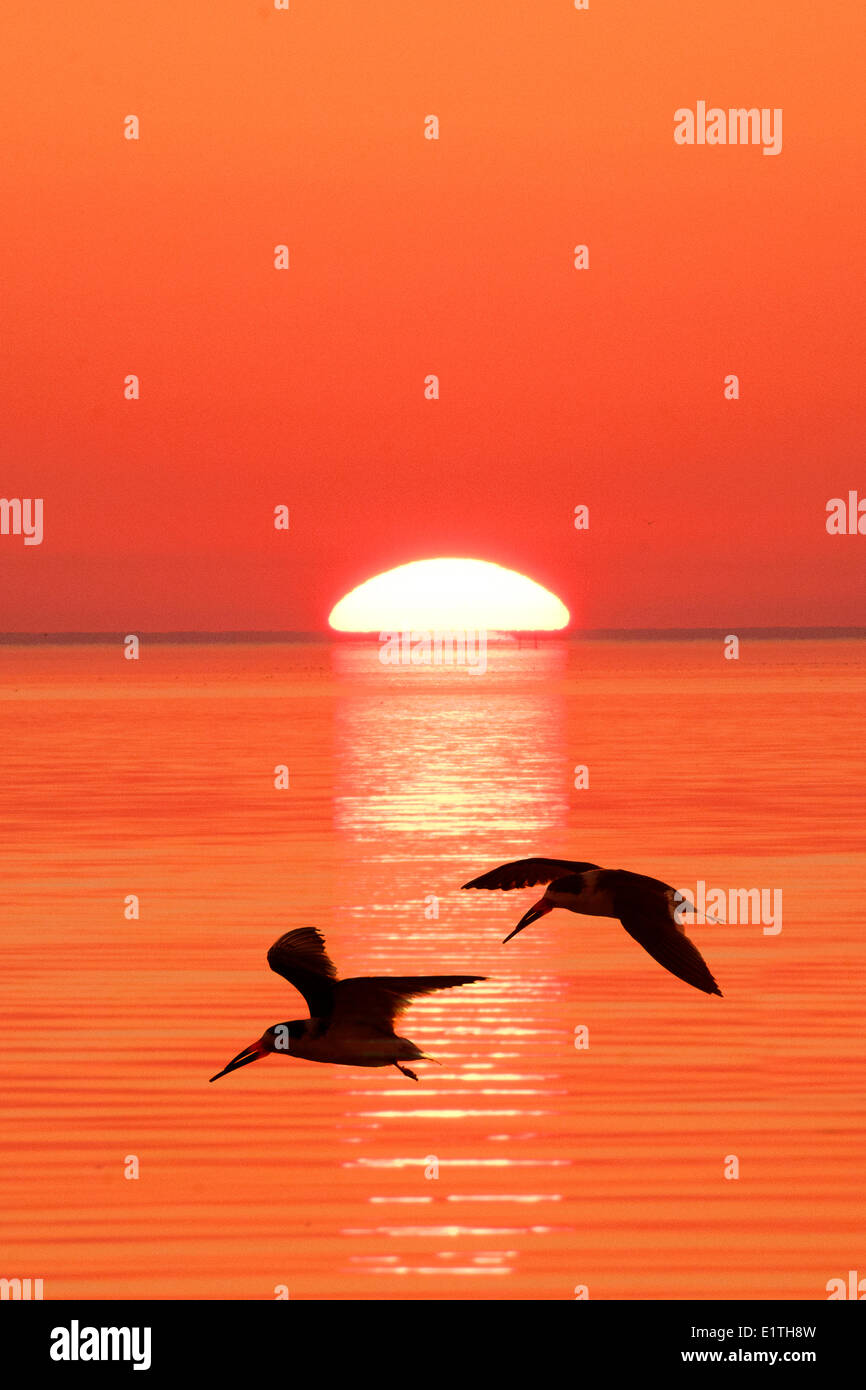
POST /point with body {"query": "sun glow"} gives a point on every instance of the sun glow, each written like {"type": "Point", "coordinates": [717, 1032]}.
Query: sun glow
{"type": "Point", "coordinates": [449, 595]}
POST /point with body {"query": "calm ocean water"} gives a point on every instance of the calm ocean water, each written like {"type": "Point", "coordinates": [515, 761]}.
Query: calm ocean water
{"type": "Point", "coordinates": [602, 1167]}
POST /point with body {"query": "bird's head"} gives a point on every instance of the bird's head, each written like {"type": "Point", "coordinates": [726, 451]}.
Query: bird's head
{"type": "Point", "coordinates": [561, 892]}
{"type": "Point", "coordinates": [276, 1039]}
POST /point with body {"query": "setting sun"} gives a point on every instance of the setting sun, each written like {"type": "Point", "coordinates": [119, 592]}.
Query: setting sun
{"type": "Point", "coordinates": [449, 594]}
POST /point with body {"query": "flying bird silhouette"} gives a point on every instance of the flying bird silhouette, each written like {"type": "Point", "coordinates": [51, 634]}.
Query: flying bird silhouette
{"type": "Point", "coordinates": [351, 1022]}
{"type": "Point", "coordinates": [645, 906]}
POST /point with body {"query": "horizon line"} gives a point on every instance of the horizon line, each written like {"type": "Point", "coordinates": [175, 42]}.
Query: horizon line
{"type": "Point", "coordinates": [266, 635]}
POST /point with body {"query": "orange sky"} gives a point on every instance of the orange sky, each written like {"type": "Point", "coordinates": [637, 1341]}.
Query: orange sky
{"type": "Point", "coordinates": [409, 257]}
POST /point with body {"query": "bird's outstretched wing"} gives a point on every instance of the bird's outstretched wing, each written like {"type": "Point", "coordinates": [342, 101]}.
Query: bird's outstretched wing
{"type": "Point", "coordinates": [377, 1000]}
{"type": "Point", "coordinates": [523, 873]}
{"type": "Point", "coordinates": [300, 957]}
{"type": "Point", "coordinates": [645, 908]}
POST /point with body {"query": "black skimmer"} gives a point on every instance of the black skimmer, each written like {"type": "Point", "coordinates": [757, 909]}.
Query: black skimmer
{"type": "Point", "coordinates": [645, 906]}
{"type": "Point", "coordinates": [351, 1022]}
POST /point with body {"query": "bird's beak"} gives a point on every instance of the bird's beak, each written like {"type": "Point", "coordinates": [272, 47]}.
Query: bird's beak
{"type": "Point", "coordinates": [249, 1054]}
{"type": "Point", "coordinates": [537, 910]}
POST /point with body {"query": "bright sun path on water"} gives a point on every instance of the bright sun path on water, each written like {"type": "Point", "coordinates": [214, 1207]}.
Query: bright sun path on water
{"type": "Point", "coordinates": [449, 595]}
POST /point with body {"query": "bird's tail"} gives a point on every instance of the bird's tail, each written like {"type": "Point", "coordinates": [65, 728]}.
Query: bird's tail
{"type": "Point", "coordinates": [411, 1052]}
